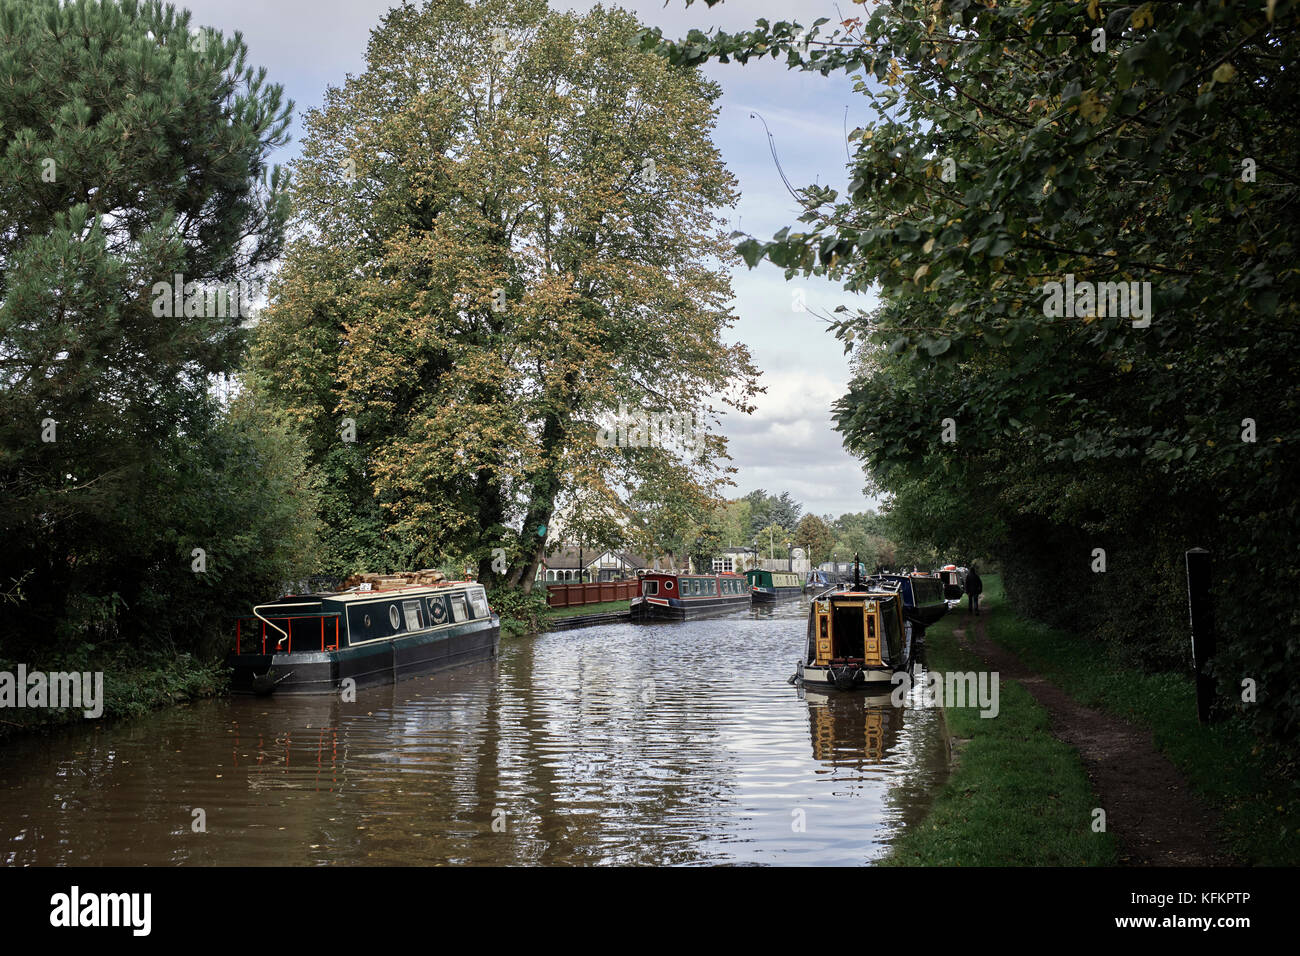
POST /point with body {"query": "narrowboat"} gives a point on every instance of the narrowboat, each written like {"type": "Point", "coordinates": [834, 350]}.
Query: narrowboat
{"type": "Point", "coordinates": [923, 596]}
{"type": "Point", "coordinates": [311, 643]}
{"type": "Point", "coordinates": [819, 580]}
{"type": "Point", "coordinates": [857, 637]}
{"type": "Point", "coordinates": [954, 581]}
{"type": "Point", "coordinates": [773, 585]}
{"type": "Point", "coordinates": [667, 595]}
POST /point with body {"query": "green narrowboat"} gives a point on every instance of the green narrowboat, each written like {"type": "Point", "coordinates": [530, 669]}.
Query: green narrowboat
{"type": "Point", "coordinates": [768, 586]}
{"type": "Point", "coordinates": [312, 643]}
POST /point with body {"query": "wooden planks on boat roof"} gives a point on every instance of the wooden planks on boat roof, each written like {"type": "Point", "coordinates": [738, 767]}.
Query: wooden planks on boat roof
{"type": "Point", "coordinates": [396, 579]}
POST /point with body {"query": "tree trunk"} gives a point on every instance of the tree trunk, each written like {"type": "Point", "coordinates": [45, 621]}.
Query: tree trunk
{"type": "Point", "coordinates": [541, 507]}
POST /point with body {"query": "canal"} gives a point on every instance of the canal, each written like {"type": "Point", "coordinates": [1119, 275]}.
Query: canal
{"type": "Point", "coordinates": [622, 744]}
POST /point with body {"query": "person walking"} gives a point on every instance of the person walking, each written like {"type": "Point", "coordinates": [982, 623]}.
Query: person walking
{"type": "Point", "coordinates": [973, 588]}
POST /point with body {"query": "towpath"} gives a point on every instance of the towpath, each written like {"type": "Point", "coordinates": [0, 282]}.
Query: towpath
{"type": "Point", "coordinates": [1155, 818]}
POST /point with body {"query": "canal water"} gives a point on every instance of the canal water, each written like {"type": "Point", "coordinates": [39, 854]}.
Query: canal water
{"type": "Point", "coordinates": [623, 744]}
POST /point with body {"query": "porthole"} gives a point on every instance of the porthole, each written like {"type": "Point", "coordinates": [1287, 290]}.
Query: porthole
{"type": "Point", "coordinates": [394, 618]}
{"type": "Point", "coordinates": [668, 585]}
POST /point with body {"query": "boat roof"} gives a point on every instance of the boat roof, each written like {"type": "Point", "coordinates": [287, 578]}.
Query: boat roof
{"type": "Point", "coordinates": [414, 590]}
{"type": "Point", "coordinates": [670, 573]}
{"type": "Point", "coordinates": [850, 593]}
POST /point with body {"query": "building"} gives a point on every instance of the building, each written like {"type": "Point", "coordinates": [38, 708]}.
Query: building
{"type": "Point", "coordinates": [740, 560]}
{"type": "Point", "coordinates": [588, 564]}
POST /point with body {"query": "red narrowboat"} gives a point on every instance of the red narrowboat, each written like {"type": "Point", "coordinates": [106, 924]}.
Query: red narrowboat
{"type": "Point", "coordinates": [667, 595]}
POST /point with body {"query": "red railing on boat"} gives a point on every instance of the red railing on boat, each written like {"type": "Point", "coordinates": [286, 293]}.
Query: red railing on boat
{"type": "Point", "coordinates": [287, 623]}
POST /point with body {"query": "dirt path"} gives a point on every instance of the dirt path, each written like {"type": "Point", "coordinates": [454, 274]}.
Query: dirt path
{"type": "Point", "coordinates": [1154, 817]}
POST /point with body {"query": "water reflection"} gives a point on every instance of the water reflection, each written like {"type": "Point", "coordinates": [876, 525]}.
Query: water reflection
{"type": "Point", "coordinates": [852, 729]}
{"type": "Point", "coordinates": [652, 743]}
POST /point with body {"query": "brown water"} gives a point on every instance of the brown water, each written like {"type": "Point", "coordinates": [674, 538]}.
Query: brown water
{"type": "Point", "coordinates": [625, 744]}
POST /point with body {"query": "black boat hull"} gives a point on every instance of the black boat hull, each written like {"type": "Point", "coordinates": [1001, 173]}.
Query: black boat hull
{"type": "Point", "coordinates": [675, 610]}
{"type": "Point", "coordinates": [368, 664]}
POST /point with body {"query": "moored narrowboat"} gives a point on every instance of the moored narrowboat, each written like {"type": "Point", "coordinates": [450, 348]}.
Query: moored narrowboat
{"type": "Point", "coordinates": [311, 643]}
{"type": "Point", "coordinates": [773, 585]}
{"type": "Point", "coordinates": [954, 581]}
{"type": "Point", "coordinates": [857, 637]}
{"type": "Point", "coordinates": [667, 595]}
{"type": "Point", "coordinates": [819, 580]}
{"type": "Point", "coordinates": [922, 594]}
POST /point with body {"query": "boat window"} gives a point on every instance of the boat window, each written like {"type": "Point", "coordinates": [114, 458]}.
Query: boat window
{"type": "Point", "coordinates": [412, 611]}
{"type": "Point", "coordinates": [394, 618]}
{"type": "Point", "coordinates": [668, 585]}
{"type": "Point", "coordinates": [459, 609]}
{"type": "Point", "coordinates": [478, 601]}
{"type": "Point", "coordinates": [650, 587]}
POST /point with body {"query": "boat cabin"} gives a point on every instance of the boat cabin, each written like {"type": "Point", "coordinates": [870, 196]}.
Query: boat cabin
{"type": "Point", "coordinates": [863, 628]}
{"type": "Point", "coordinates": [335, 620]}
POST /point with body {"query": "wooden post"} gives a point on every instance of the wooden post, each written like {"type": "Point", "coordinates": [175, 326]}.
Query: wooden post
{"type": "Point", "coordinates": [1201, 611]}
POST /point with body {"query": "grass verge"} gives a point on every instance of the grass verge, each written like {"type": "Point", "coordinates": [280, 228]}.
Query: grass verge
{"type": "Point", "coordinates": [1224, 764]}
{"type": "Point", "coordinates": [1017, 796]}
{"type": "Point", "coordinates": [600, 608]}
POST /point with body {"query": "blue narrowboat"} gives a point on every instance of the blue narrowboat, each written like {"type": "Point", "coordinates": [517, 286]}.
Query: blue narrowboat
{"type": "Point", "coordinates": [922, 594]}
{"type": "Point", "coordinates": [312, 643]}
{"type": "Point", "coordinates": [767, 586]}
{"type": "Point", "coordinates": [667, 595]}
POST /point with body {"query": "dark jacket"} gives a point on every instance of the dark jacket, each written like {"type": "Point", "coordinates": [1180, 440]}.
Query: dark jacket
{"type": "Point", "coordinates": [973, 583]}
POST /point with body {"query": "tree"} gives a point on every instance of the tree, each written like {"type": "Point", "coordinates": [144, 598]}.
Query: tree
{"type": "Point", "coordinates": [816, 538]}
{"type": "Point", "coordinates": [775, 540]}
{"type": "Point", "coordinates": [134, 180]}
{"type": "Point", "coordinates": [765, 509]}
{"type": "Point", "coordinates": [509, 274]}
{"type": "Point", "coordinates": [733, 523]}
{"type": "Point", "coordinates": [1061, 203]}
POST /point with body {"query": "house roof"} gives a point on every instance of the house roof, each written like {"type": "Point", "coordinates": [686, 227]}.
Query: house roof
{"type": "Point", "coordinates": [568, 558]}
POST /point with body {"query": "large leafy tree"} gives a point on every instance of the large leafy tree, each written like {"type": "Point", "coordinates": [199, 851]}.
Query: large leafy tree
{"type": "Point", "coordinates": [134, 148]}
{"type": "Point", "coordinates": [1045, 141]}
{"type": "Point", "coordinates": [508, 231]}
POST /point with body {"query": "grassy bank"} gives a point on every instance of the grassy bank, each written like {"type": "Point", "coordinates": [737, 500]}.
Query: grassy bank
{"type": "Point", "coordinates": [133, 687]}
{"type": "Point", "coordinates": [1017, 796]}
{"type": "Point", "coordinates": [1224, 764]}
{"type": "Point", "coordinates": [602, 608]}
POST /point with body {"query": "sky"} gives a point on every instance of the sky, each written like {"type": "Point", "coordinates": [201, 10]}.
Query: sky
{"type": "Point", "coordinates": [788, 443]}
